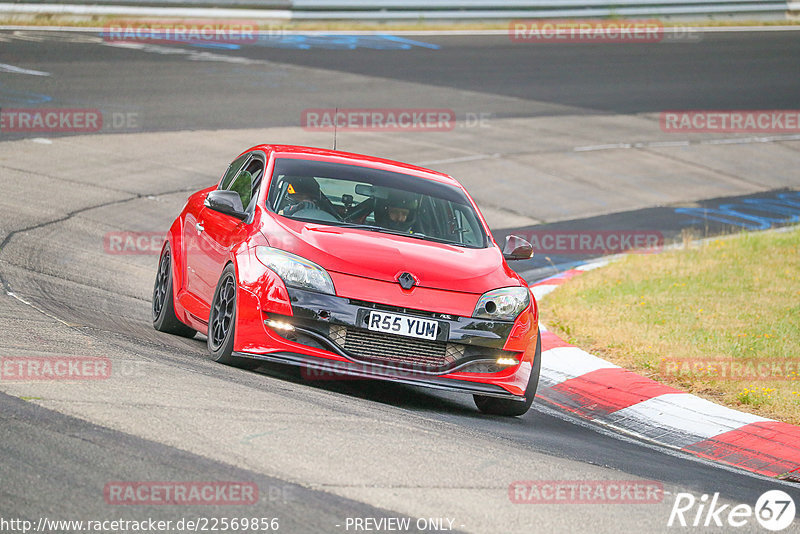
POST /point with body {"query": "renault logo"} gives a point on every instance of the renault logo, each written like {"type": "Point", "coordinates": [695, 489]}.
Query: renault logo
{"type": "Point", "coordinates": [406, 280]}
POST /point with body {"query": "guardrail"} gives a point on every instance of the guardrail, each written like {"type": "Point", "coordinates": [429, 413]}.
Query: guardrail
{"type": "Point", "coordinates": [432, 10]}
{"type": "Point", "coordinates": [511, 9]}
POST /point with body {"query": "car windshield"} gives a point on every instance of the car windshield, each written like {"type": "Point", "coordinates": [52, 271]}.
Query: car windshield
{"type": "Point", "coordinates": [375, 200]}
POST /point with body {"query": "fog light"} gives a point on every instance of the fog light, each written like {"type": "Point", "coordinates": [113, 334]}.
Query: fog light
{"type": "Point", "coordinates": [279, 325]}
{"type": "Point", "coordinates": [506, 361]}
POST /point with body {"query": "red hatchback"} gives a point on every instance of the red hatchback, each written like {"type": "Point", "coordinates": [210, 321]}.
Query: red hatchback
{"type": "Point", "coordinates": [353, 265]}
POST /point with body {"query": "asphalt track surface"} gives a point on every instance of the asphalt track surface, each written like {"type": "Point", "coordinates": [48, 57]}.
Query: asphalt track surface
{"type": "Point", "coordinates": [718, 71]}
{"type": "Point", "coordinates": [325, 451]}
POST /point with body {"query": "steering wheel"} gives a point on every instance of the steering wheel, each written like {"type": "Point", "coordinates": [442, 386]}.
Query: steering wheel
{"type": "Point", "coordinates": [360, 211]}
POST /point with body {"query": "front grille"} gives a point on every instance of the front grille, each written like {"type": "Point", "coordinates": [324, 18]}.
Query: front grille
{"type": "Point", "coordinates": [400, 351]}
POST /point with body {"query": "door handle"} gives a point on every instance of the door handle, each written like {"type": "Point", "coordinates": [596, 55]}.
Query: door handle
{"type": "Point", "coordinates": [199, 227]}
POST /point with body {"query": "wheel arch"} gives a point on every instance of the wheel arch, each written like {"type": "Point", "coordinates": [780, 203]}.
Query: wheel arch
{"type": "Point", "coordinates": [174, 240]}
{"type": "Point", "coordinates": [248, 326]}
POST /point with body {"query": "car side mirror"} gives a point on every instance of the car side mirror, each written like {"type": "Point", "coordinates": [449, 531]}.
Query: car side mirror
{"type": "Point", "coordinates": [517, 248]}
{"type": "Point", "coordinates": [227, 202]}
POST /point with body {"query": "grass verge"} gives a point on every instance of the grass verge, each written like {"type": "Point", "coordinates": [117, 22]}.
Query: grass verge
{"type": "Point", "coordinates": [719, 319]}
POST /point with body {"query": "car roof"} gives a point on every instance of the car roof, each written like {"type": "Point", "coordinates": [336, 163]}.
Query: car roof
{"type": "Point", "coordinates": [338, 156]}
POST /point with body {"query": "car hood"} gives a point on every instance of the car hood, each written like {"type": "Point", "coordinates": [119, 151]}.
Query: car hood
{"type": "Point", "coordinates": [384, 257]}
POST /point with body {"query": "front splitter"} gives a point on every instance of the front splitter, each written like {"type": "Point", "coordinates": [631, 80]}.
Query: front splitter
{"type": "Point", "coordinates": [352, 369]}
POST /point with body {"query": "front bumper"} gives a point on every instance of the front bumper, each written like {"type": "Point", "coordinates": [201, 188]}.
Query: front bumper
{"type": "Point", "coordinates": [329, 367]}
{"type": "Point", "coordinates": [329, 334]}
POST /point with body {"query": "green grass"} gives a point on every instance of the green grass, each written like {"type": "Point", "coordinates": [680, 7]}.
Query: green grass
{"type": "Point", "coordinates": [675, 317]}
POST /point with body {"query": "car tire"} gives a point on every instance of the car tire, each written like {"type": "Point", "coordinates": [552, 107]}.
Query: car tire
{"type": "Point", "coordinates": [512, 408]}
{"type": "Point", "coordinates": [163, 304]}
{"type": "Point", "coordinates": [222, 322]}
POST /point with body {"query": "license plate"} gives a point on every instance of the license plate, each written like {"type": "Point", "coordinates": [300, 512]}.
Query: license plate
{"type": "Point", "coordinates": [402, 325]}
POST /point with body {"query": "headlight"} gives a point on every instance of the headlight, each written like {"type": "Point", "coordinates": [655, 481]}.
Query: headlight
{"type": "Point", "coordinates": [295, 270]}
{"type": "Point", "coordinates": [502, 304]}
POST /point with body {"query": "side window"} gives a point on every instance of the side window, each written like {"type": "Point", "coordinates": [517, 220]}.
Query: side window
{"type": "Point", "coordinates": [247, 181]}
{"type": "Point", "coordinates": [233, 168]}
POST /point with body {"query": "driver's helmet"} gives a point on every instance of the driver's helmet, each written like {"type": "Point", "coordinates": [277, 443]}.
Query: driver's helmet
{"type": "Point", "coordinates": [302, 188]}
{"type": "Point", "coordinates": [303, 194]}
{"type": "Point", "coordinates": [398, 211]}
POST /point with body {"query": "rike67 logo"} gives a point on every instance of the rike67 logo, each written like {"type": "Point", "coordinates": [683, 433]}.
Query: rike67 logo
{"type": "Point", "coordinates": [774, 510]}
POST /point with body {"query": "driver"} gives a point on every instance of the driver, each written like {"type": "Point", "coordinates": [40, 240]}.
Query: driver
{"type": "Point", "coordinates": [398, 211]}
{"type": "Point", "coordinates": [304, 193]}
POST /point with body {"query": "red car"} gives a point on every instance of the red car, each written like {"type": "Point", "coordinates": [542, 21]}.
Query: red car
{"type": "Point", "coordinates": [353, 265]}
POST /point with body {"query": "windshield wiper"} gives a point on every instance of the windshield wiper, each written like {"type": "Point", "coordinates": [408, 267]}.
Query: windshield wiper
{"type": "Point", "coordinates": [363, 226]}
{"type": "Point", "coordinates": [384, 230]}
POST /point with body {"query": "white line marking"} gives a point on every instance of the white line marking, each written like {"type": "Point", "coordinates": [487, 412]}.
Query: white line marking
{"type": "Point", "coordinates": [656, 144]}
{"type": "Point", "coordinates": [601, 147]}
{"type": "Point", "coordinates": [744, 140]}
{"type": "Point", "coordinates": [4, 67]}
{"type": "Point", "coordinates": [37, 308]}
{"type": "Point", "coordinates": [661, 144]}
{"type": "Point", "coordinates": [190, 54]}
{"type": "Point", "coordinates": [459, 159]}
{"type": "Point", "coordinates": [681, 419]}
